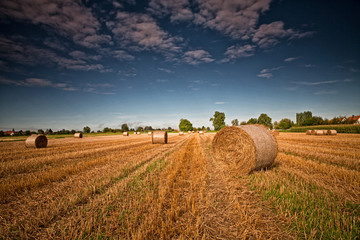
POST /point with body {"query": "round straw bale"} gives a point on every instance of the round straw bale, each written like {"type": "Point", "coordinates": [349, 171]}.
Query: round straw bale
{"type": "Point", "coordinates": [138, 133]}
{"type": "Point", "coordinates": [78, 135]}
{"type": "Point", "coordinates": [189, 132]}
{"type": "Point", "coordinates": [245, 148]}
{"type": "Point", "coordinates": [319, 132]}
{"type": "Point", "coordinates": [313, 132]}
{"type": "Point", "coordinates": [125, 134]}
{"type": "Point", "coordinates": [149, 133]}
{"type": "Point", "coordinates": [36, 141]}
{"type": "Point", "coordinates": [331, 132]}
{"type": "Point", "coordinates": [201, 133]}
{"type": "Point", "coordinates": [159, 137]}
{"type": "Point", "coordinates": [308, 132]}
{"type": "Point", "coordinates": [181, 133]}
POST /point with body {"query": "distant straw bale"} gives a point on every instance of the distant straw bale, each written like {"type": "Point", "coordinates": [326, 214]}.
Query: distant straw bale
{"type": "Point", "coordinates": [125, 134]}
{"type": "Point", "coordinates": [78, 135]}
{"type": "Point", "coordinates": [36, 141]}
{"type": "Point", "coordinates": [149, 133]}
{"type": "Point", "coordinates": [245, 148]}
{"type": "Point", "coordinates": [201, 132]}
{"type": "Point", "coordinates": [138, 133]}
{"type": "Point", "coordinates": [181, 133]}
{"type": "Point", "coordinates": [159, 137]}
{"type": "Point", "coordinates": [331, 132]}
{"type": "Point", "coordinates": [308, 132]}
{"type": "Point", "coordinates": [319, 132]}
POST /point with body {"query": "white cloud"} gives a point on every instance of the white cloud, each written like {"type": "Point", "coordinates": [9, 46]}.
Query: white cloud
{"type": "Point", "coordinates": [317, 83]}
{"type": "Point", "coordinates": [238, 51]}
{"type": "Point", "coordinates": [141, 32]}
{"type": "Point", "coordinates": [269, 35]}
{"type": "Point", "coordinates": [267, 72]}
{"type": "Point", "coordinates": [265, 75]}
{"type": "Point", "coordinates": [197, 56]}
{"type": "Point", "coordinates": [237, 19]}
{"type": "Point", "coordinates": [178, 10]}
{"type": "Point", "coordinates": [290, 59]}
{"type": "Point", "coordinates": [219, 103]}
{"type": "Point", "coordinates": [38, 82]}
{"type": "Point", "coordinates": [67, 17]}
{"type": "Point", "coordinates": [165, 70]}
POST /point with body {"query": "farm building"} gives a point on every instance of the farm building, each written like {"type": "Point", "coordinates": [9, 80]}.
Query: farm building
{"type": "Point", "coordinates": [356, 119]}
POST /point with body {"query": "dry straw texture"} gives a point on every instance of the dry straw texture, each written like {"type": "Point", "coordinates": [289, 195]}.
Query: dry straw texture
{"type": "Point", "coordinates": [245, 148]}
{"type": "Point", "coordinates": [331, 132]}
{"type": "Point", "coordinates": [36, 141]}
{"type": "Point", "coordinates": [319, 132]}
{"type": "Point", "coordinates": [275, 132]}
{"type": "Point", "coordinates": [159, 137]}
{"type": "Point", "coordinates": [308, 132]}
{"type": "Point", "coordinates": [181, 133]}
{"type": "Point", "coordinates": [125, 134]}
{"type": "Point", "coordinates": [78, 135]}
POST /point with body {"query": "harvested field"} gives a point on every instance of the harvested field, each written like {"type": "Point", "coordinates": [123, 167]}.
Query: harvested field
{"type": "Point", "coordinates": [128, 188]}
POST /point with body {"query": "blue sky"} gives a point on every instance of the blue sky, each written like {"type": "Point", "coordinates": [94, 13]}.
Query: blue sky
{"type": "Point", "coordinates": [68, 64]}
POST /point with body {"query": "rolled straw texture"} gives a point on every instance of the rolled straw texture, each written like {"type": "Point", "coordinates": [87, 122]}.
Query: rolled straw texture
{"type": "Point", "coordinates": [331, 132]}
{"type": "Point", "coordinates": [245, 148]}
{"type": "Point", "coordinates": [159, 137]}
{"type": "Point", "coordinates": [308, 132]}
{"type": "Point", "coordinates": [275, 132]}
{"type": "Point", "coordinates": [125, 134]}
{"type": "Point", "coordinates": [36, 141]}
{"type": "Point", "coordinates": [78, 135]}
{"type": "Point", "coordinates": [181, 133]}
{"type": "Point", "coordinates": [319, 132]}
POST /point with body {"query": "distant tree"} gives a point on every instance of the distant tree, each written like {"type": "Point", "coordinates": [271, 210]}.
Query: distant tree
{"type": "Point", "coordinates": [313, 121]}
{"type": "Point", "coordinates": [243, 123]}
{"type": "Point", "coordinates": [208, 129]}
{"type": "Point", "coordinates": [27, 132]}
{"type": "Point", "coordinates": [87, 129]}
{"type": "Point", "coordinates": [301, 117]}
{"type": "Point", "coordinates": [265, 120]}
{"type": "Point", "coordinates": [185, 125]}
{"type": "Point", "coordinates": [139, 129]}
{"type": "Point", "coordinates": [124, 127]}
{"type": "Point", "coordinates": [40, 131]}
{"type": "Point", "coordinates": [2, 133]}
{"type": "Point", "coordinates": [20, 133]}
{"type": "Point", "coordinates": [170, 129]}
{"type": "Point", "coordinates": [235, 122]}
{"type": "Point", "coordinates": [285, 123]}
{"type": "Point", "coordinates": [48, 131]}
{"type": "Point", "coordinates": [73, 131]}
{"type": "Point", "coordinates": [252, 121]}
{"type": "Point", "coordinates": [218, 120]}
{"type": "Point", "coordinates": [106, 130]}
{"type": "Point", "coordinates": [148, 128]}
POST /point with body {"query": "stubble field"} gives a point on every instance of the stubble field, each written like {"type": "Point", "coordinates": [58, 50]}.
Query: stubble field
{"type": "Point", "coordinates": [115, 187]}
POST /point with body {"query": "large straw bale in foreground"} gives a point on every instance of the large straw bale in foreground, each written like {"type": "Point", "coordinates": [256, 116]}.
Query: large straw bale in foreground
{"type": "Point", "coordinates": [78, 135]}
{"type": "Point", "coordinates": [245, 148]}
{"type": "Point", "coordinates": [36, 141]}
{"type": "Point", "coordinates": [159, 137]}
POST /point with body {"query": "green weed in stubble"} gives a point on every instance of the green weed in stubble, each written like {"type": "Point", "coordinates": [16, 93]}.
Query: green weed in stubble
{"type": "Point", "coordinates": [316, 212]}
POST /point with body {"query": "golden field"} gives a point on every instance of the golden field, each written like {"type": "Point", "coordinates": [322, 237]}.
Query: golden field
{"type": "Point", "coordinates": [115, 187]}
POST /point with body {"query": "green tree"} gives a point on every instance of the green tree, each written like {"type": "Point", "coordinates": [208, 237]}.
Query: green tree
{"type": "Point", "coordinates": [243, 123]}
{"type": "Point", "coordinates": [106, 129]}
{"type": "Point", "coordinates": [87, 129]}
{"type": "Point", "coordinates": [301, 117]}
{"type": "Point", "coordinates": [285, 123]}
{"type": "Point", "coordinates": [265, 120]}
{"type": "Point", "coordinates": [235, 122]}
{"type": "Point", "coordinates": [139, 129]}
{"type": "Point", "coordinates": [218, 120]}
{"type": "Point", "coordinates": [40, 131]}
{"type": "Point", "coordinates": [124, 127]}
{"type": "Point", "coordinates": [185, 125]}
{"type": "Point", "coordinates": [252, 121]}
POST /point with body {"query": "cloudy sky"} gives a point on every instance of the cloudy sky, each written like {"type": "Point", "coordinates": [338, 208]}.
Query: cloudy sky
{"type": "Point", "coordinates": [71, 63]}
